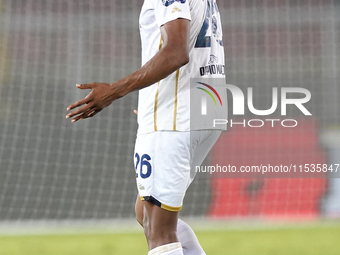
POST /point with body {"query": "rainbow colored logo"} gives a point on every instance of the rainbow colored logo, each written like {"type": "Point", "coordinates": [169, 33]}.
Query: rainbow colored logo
{"type": "Point", "coordinates": [209, 93]}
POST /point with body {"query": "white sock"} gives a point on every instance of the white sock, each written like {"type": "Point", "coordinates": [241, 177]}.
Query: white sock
{"type": "Point", "coordinates": [168, 249]}
{"type": "Point", "coordinates": [188, 239]}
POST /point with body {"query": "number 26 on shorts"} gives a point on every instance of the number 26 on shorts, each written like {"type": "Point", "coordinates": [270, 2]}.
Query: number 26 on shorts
{"type": "Point", "coordinates": [143, 165]}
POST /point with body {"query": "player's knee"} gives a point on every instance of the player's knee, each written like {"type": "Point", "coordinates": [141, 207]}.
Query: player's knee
{"type": "Point", "coordinates": [151, 232]}
{"type": "Point", "coordinates": [157, 234]}
{"type": "Point", "coordinates": [147, 227]}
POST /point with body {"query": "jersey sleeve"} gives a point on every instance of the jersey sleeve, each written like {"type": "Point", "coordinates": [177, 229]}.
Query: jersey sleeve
{"type": "Point", "coordinates": [168, 10]}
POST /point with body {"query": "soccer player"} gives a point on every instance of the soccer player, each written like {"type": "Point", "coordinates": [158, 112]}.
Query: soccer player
{"type": "Point", "coordinates": [181, 39]}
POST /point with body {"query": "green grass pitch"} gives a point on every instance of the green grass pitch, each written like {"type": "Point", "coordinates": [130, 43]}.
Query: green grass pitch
{"type": "Point", "coordinates": [300, 241]}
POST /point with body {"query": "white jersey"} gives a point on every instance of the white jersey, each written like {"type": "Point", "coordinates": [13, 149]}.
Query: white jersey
{"type": "Point", "coordinates": [166, 104]}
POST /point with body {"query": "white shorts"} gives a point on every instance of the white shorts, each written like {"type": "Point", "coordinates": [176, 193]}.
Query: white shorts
{"type": "Point", "coordinates": [163, 160]}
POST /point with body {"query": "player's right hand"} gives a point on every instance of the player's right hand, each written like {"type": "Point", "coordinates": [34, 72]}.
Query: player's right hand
{"type": "Point", "coordinates": [101, 96]}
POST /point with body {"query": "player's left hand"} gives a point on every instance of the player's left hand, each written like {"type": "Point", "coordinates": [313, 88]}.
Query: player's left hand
{"type": "Point", "coordinates": [101, 96]}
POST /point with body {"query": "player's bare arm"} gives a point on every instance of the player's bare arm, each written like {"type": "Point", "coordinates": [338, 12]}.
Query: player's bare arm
{"type": "Point", "coordinates": [173, 55]}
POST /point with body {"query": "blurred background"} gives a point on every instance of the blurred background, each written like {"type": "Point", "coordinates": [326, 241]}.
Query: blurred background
{"type": "Point", "coordinates": [55, 173]}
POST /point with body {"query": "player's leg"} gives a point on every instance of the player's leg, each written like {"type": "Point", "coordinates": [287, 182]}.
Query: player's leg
{"type": "Point", "coordinates": [185, 234]}
{"type": "Point", "coordinates": [188, 239]}
{"type": "Point", "coordinates": [160, 225]}
{"type": "Point", "coordinates": [201, 143]}
{"type": "Point", "coordinates": [162, 164]}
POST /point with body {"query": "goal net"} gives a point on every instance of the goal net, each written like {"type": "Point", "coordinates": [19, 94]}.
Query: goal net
{"type": "Point", "coordinates": [51, 169]}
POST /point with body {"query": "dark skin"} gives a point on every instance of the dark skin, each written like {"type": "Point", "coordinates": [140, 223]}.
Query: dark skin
{"type": "Point", "coordinates": [173, 55]}
{"type": "Point", "coordinates": [160, 225]}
